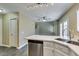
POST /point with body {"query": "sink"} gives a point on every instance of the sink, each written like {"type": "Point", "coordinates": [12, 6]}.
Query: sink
{"type": "Point", "coordinates": [68, 41]}
{"type": "Point", "coordinates": [60, 39]}
{"type": "Point", "coordinates": [73, 42]}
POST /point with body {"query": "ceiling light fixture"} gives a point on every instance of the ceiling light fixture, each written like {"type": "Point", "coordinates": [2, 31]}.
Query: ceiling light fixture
{"type": "Point", "coordinates": [43, 20]}
{"type": "Point", "coordinates": [42, 4]}
{"type": "Point", "coordinates": [1, 10]}
{"type": "Point", "coordinates": [37, 5]}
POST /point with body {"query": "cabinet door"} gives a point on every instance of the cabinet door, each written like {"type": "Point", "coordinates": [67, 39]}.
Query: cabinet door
{"type": "Point", "coordinates": [48, 44]}
{"type": "Point", "coordinates": [48, 51]}
{"type": "Point", "coordinates": [59, 53]}
{"type": "Point", "coordinates": [72, 53]}
{"type": "Point", "coordinates": [62, 48]}
{"type": "Point", "coordinates": [48, 48]}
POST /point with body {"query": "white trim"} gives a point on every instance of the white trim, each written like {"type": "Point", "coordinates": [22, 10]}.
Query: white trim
{"type": "Point", "coordinates": [6, 45]}
{"type": "Point", "coordinates": [21, 46]}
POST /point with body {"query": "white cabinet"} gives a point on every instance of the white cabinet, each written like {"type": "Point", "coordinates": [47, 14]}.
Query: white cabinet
{"type": "Point", "coordinates": [48, 48]}
{"type": "Point", "coordinates": [59, 53]}
{"type": "Point", "coordinates": [48, 44]}
{"type": "Point", "coordinates": [48, 51]}
{"type": "Point", "coordinates": [72, 53]}
{"type": "Point", "coordinates": [56, 49]}
{"type": "Point", "coordinates": [61, 50]}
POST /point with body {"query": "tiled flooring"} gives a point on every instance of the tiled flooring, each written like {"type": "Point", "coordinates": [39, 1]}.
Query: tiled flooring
{"type": "Point", "coordinates": [4, 51]}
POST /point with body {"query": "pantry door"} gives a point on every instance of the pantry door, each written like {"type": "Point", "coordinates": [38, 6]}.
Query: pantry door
{"type": "Point", "coordinates": [13, 32]}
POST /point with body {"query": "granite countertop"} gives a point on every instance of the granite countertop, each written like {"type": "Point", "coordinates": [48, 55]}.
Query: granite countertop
{"type": "Point", "coordinates": [73, 47]}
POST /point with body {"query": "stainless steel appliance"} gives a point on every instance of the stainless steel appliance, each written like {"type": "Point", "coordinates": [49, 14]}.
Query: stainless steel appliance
{"type": "Point", "coordinates": [35, 48]}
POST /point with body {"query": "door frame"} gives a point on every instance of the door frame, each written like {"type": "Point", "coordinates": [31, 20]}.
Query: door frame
{"type": "Point", "coordinates": [17, 40]}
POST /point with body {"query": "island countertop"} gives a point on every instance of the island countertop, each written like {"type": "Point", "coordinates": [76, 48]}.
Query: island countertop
{"type": "Point", "coordinates": [73, 47]}
{"type": "Point", "coordinates": [42, 37]}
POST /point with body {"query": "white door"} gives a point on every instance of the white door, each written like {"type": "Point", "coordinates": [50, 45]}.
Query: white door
{"type": "Point", "coordinates": [0, 30]}
{"type": "Point", "coordinates": [13, 32]}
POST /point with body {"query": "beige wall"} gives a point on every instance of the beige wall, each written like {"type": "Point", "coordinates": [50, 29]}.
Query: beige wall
{"type": "Point", "coordinates": [26, 28]}
{"type": "Point", "coordinates": [72, 16]}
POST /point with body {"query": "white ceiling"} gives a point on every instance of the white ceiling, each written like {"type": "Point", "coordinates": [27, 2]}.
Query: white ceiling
{"type": "Point", "coordinates": [53, 11]}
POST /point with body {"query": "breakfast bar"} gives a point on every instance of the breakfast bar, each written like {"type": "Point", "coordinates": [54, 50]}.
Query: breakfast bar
{"type": "Point", "coordinates": [49, 46]}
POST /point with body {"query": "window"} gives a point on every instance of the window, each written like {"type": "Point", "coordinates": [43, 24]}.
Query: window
{"type": "Point", "coordinates": [64, 29]}
{"type": "Point", "coordinates": [78, 20]}
{"type": "Point", "coordinates": [61, 34]}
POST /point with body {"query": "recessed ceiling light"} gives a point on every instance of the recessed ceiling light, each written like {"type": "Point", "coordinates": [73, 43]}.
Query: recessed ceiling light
{"type": "Point", "coordinates": [44, 20]}
{"type": "Point", "coordinates": [0, 10]}
{"type": "Point", "coordinates": [3, 10]}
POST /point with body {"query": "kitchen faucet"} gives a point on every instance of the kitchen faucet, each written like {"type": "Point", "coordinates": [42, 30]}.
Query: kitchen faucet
{"type": "Point", "coordinates": [69, 33]}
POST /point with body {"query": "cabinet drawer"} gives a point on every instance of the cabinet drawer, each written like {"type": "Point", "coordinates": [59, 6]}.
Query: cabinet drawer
{"type": "Point", "coordinates": [48, 51]}
{"type": "Point", "coordinates": [62, 48]}
{"type": "Point", "coordinates": [48, 44]}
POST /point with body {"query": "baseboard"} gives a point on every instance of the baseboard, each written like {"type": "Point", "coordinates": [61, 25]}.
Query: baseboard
{"type": "Point", "coordinates": [5, 45]}
{"type": "Point", "coordinates": [21, 46]}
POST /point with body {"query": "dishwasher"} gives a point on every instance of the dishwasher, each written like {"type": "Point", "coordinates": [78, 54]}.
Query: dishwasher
{"type": "Point", "coordinates": [35, 48]}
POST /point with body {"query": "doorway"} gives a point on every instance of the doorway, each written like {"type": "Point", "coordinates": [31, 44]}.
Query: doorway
{"type": "Point", "coordinates": [13, 32]}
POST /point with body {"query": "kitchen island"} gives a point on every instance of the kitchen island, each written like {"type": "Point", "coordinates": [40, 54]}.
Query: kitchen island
{"type": "Point", "coordinates": [52, 47]}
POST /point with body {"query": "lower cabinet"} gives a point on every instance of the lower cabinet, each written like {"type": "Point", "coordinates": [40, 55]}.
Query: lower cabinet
{"type": "Point", "coordinates": [48, 51]}
{"type": "Point", "coordinates": [59, 53]}
{"type": "Point", "coordinates": [56, 49]}
{"type": "Point", "coordinates": [61, 50]}
{"type": "Point", "coordinates": [48, 48]}
{"type": "Point", "coordinates": [72, 53]}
